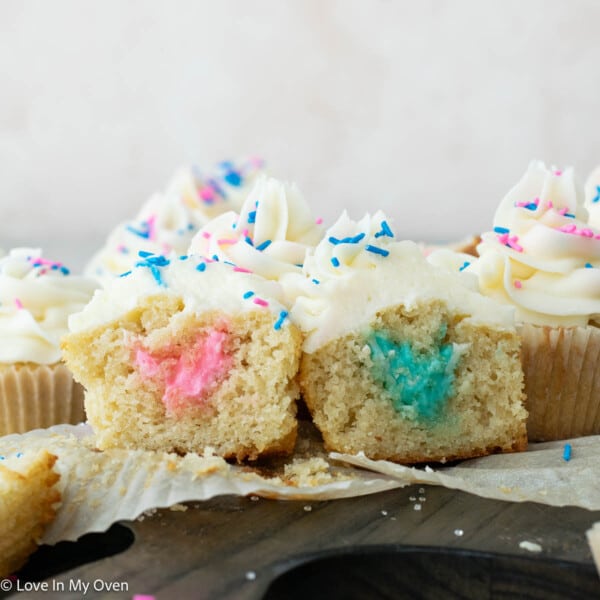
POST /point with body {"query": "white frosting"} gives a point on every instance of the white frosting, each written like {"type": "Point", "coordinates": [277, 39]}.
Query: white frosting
{"type": "Point", "coordinates": [359, 269]}
{"type": "Point", "coordinates": [168, 221]}
{"type": "Point", "coordinates": [542, 256]}
{"type": "Point", "coordinates": [270, 236]}
{"type": "Point", "coordinates": [216, 287]}
{"type": "Point", "coordinates": [592, 197]}
{"type": "Point", "coordinates": [36, 298]}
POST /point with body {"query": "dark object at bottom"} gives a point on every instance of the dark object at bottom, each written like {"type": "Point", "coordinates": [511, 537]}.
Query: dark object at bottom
{"type": "Point", "coordinates": [399, 572]}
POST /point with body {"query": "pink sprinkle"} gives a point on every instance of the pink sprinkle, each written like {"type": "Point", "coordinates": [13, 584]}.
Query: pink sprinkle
{"type": "Point", "coordinates": [19, 304]}
{"type": "Point", "coordinates": [260, 302]}
{"type": "Point", "coordinates": [510, 241]}
{"type": "Point", "coordinates": [562, 211]}
{"type": "Point", "coordinates": [523, 203]}
{"type": "Point", "coordinates": [143, 597]}
{"type": "Point", "coordinates": [241, 270]}
{"type": "Point", "coordinates": [558, 173]}
{"type": "Point", "coordinates": [205, 235]}
{"type": "Point", "coordinates": [319, 221]}
{"type": "Point", "coordinates": [588, 233]}
{"type": "Point", "coordinates": [568, 228]}
{"type": "Point", "coordinates": [152, 228]}
{"type": "Point", "coordinates": [518, 284]}
{"type": "Point", "coordinates": [549, 204]}
{"type": "Point", "coordinates": [207, 194]}
{"type": "Point", "coordinates": [245, 233]}
{"type": "Point", "coordinates": [226, 241]}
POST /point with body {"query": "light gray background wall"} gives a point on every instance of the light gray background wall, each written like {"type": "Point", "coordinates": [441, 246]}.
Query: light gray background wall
{"type": "Point", "coordinates": [430, 110]}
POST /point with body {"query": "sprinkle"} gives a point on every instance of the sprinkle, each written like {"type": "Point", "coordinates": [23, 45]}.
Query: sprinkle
{"type": "Point", "coordinates": [19, 304]}
{"type": "Point", "coordinates": [264, 245]}
{"type": "Point", "coordinates": [596, 198]}
{"type": "Point", "coordinates": [125, 274]}
{"type": "Point", "coordinates": [248, 294]}
{"type": "Point", "coordinates": [528, 205]}
{"type": "Point", "coordinates": [319, 220]}
{"type": "Point", "coordinates": [207, 194]}
{"type": "Point", "coordinates": [183, 257]}
{"type": "Point", "coordinates": [19, 454]}
{"type": "Point", "coordinates": [567, 452]}
{"type": "Point", "coordinates": [282, 316]}
{"type": "Point", "coordinates": [347, 240]}
{"type": "Point", "coordinates": [260, 302]}
{"type": "Point", "coordinates": [335, 262]}
{"type": "Point", "coordinates": [517, 284]}
{"type": "Point", "coordinates": [143, 597]}
{"type": "Point", "coordinates": [146, 229]}
{"type": "Point", "coordinates": [589, 266]}
{"type": "Point", "coordinates": [122, 248]}
{"type": "Point", "coordinates": [501, 230]}
{"type": "Point", "coordinates": [252, 217]}
{"type": "Point", "coordinates": [464, 266]}
{"type": "Point", "coordinates": [201, 267]}
{"type": "Point", "coordinates": [205, 235]}
{"type": "Point", "coordinates": [2, 457]}
{"type": "Point", "coordinates": [558, 173]}
{"type": "Point", "coordinates": [225, 241]}
{"type": "Point", "coordinates": [233, 178]}
{"type": "Point", "coordinates": [385, 230]}
{"type": "Point", "coordinates": [241, 269]}
{"type": "Point", "coordinates": [376, 250]}
{"type": "Point", "coordinates": [316, 281]}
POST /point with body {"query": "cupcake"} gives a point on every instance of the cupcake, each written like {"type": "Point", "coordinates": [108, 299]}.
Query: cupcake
{"type": "Point", "coordinates": [168, 221]}
{"type": "Point", "coordinates": [401, 360]}
{"type": "Point", "coordinates": [543, 258]}
{"type": "Point", "coordinates": [186, 353]}
{"type": "Point", "coordinates": [36, 298]}
{"type": "Point", "coordinates": [28, 498]}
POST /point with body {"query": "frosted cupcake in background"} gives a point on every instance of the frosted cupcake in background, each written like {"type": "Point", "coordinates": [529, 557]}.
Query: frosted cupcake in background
{"type": "Point", "coordinates": [269, 236]}
{"type": "Point", "coordinates": [543, 258]}
{"type": "Point", "coordinates": [592, 197]}
{"type": "Point", "coordinates": [36, 298]}
{"type": "Point", "coordinates": [167, 222]}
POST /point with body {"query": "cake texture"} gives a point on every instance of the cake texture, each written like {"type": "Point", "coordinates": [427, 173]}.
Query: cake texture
{"type": "Point", "coordinates": [36, 298]}
{"type": "Point", "coordinates": [184, 354]}
{"type": "Point", "coordinates": [28, 499]}
{"type": "Point", "coordinates": [401, 360]}
{"type": "Point", "coordinates": [543, 258]}
{"type": "Point", "coordinates": [168, 221]}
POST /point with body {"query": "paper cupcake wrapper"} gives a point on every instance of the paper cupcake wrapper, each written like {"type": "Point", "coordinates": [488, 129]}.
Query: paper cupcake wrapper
{"type": "Point", "coordinates": [38, 396]}
{"type": "Point", "coordinates": [562, 381]}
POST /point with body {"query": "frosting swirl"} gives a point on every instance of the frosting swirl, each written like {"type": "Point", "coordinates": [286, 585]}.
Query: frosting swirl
{"type": "Point", "coordinates": [542, 255]}
{"type": "Point", "coordinates": [270, 235]}
{"type": "Point", "coordinates": [36, 298]}
{"type": "Point", "coordinates": [168, 221]}
{"type": "Point", "coordinates": [592, 197]}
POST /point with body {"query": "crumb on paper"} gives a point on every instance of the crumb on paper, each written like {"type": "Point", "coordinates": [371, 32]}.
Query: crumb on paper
{"type": "Point", "coordinates": [530, 546]}
{"type": "Point", "coordinates": [178, 508]}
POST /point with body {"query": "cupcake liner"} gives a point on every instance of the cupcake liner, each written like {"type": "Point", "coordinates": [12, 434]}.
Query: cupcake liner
{"type": "Point", "coordinates": [562, 381]}
{"type": "Point", "coordinates": [37, 396]}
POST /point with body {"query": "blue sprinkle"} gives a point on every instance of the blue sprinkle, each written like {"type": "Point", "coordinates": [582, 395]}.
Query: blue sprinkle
{"type": "Point", "coordinates": [2, 457]}
{"type": "Point", "coordinates": [567, 452]}
{"type": "Point", "coordinates": [316, 281]}
{"type": "Point", "coordinates": [201, 267]}
{"type": "Point", "coordinates": [125, 274]}
{"type": "Point", "coordinates": [215, 258]}
{"type": "Point", "coordinates": [217, 188]}
{"type": "Point", "coordinates": [183, 257]}
{"type": "Point", "coordinates": [144, 254]}
{"type": "Point", "coordinates": [347, 240]}
{"type": "Point", "coordinates": [248, 240]}
{"type": "Point", "coordinates": [501, 230]}
{"type": "Point", "coordinates": [596, 198]}
{"type": "Point", "coordinates": [589, 266]}
{"type": "Point", "coordinates": [385, 230]}
{"type": "Point", "coordinates": [228, 262]}
{"type": "Point", "coordinates": [233, 179]}
{"type": "Point", "coordinates": [569, 215]}
{"type": "Point", "coordinates": [191, 226]}
{"type": "Point", "coordinates": [252, 217]}
{"type": "Point", "coordinates": [376, 250]}
{"type": "Point", "coordinates": [143, 232]}
{"type": "Point", "coordinates": [64, 270]}
{"type": "Point", "coordinates": [282, 315]}
{"type": "Point", "coordinates": [335, 262]}
{"type": "Point", "coordinates": [248, 294]}
{"type": "Point", "coordinates": [19, 454]}
{"type": "Point", "coordinates": [530, 206]}
{"type": "Point", "coordinates": [465, 265]}
{"type": "Point", "coordinates": [264, 245]}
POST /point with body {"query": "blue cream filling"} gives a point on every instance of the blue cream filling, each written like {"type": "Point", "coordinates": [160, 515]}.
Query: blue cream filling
{"type": "Point", "coordinates": [419, 382]}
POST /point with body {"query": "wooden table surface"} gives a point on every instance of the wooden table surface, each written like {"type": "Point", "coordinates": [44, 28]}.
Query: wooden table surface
{"type": "Point", "coordinates": [233, 547]}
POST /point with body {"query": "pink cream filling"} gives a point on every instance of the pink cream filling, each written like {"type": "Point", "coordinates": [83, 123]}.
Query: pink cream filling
{"type": "Point", "coordinates": [188, 373]}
